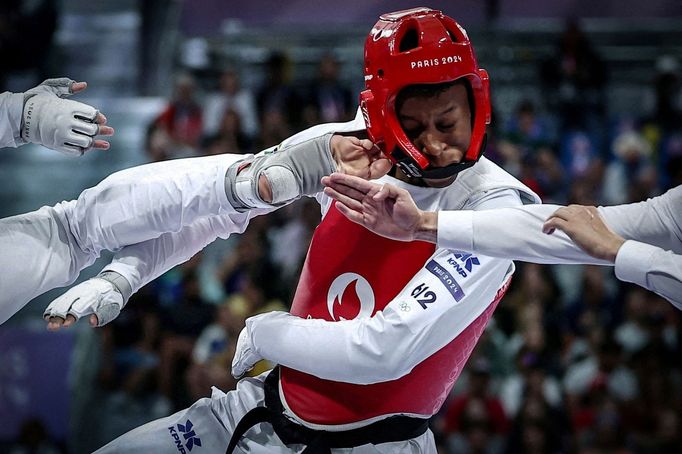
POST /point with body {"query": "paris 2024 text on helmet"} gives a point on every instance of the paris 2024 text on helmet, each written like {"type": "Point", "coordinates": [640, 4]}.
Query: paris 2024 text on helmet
{"type": "Point", "coordinates": [419, 46]}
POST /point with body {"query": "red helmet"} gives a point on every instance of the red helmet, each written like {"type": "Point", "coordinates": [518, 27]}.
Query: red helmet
{"type": "Point", "coordinates": [440, 52]}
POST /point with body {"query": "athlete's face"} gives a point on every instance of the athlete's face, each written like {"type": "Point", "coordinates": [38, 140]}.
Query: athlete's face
{"type": "Point", "coordinates": [439, 126]}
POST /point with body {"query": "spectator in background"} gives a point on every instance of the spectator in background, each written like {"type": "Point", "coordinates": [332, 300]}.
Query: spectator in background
{"type": "Point", "coordinates": [579, 156]}
{"type": "Point", "coordinates": [631, 172]}
{"type": "Point", "coordinates": [662, 127]}
{"type": "Point", "coordinates": [526, 129]}
{"type": "Point", "coordinates": [181, 324]}
{"type": "Point", "coordinates": [574, 80]}
{"type": "Point", "coordinates": [538, 428]}
{"type": "Point", "coordinates": [475, 421]}
{"type": "Point", "coordinates": [603, 374]}
{"type": "Point", "coordinates": [258, 294]}
{"type": "Point", "coordinates": [550, 175]}
{"type": "Point", "coordinates": [277, 96]}
{"type": "Point", "coordinates": [34, 439]}
{"type": "Point", "coordinates": [594, 303]}
{"type": "Point", "coordinates": [212, 354]}
{"type": "Point", "coordinates": [529, 380]}
{"type": "Point", "coordinates": [251, 254]}
{"type": "Point", "coordinates": [274, 129]}
{"type": "Point", "coordinates": [328, 98]}
{"type": "Point", "coordinates": [128, 373]}
{"type": "Point", "coordinates": [667, 435]}
{"type": "Point", "coordinates": [177, 130]}
{"type": "Point", "coordinates": [652, 420]}
{"type": "Point", "coordinates": [231, 97]}
{"type": "Point", "coordinates": [510, 157]}
{"type": "Point", "coordinates": [633, 333]}
{"type": "Point", "coordinates": [535, 299]}
{"type": "Point", "coordinates": [291, 240]}
{"type": "Point", "coordinates": [526, 152]}
{"type": "Point", "coordinates": [667, 112]}
{"type": "Point", "coordinates": [230, 137]}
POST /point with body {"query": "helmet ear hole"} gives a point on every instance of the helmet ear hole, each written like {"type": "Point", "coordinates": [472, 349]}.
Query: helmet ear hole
{"type": "Point", "coordinates": [409, 40]}
{"type": "Point", "coordinates": [380, 73]}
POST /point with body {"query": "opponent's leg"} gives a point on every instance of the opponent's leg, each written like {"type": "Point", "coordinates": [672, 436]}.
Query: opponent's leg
{"type": "Point", "coordinates": [48, 248]}
{"type": "Point", "coordinates": [423, 444]}
{"type": "Point", "coordinates": [208, 423]}
{"type": "Point", "coordinates": [144, 202]}
{"type": "Point", "coordinates": [37, 253]}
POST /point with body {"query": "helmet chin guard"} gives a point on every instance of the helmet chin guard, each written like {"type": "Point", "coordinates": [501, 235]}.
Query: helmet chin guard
{"type": "Point", "coordinates": [419, 46]}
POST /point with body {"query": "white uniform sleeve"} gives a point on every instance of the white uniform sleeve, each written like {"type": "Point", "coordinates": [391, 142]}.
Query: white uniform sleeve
{"type": "Point", "coordinates": [513, 233]}
{"type": "Point", "coordinates": [656, 221]}
{"type": "Point", "coordinates": [652, 256]}
{"type": "Point", "coordinates": [11, 108]}
{"type": "Point", "coordinates": [516, 233]}
{"type": "Point", "coordinates": [652, 268]}
{"type": "Point", "coordinates": [442, 299]}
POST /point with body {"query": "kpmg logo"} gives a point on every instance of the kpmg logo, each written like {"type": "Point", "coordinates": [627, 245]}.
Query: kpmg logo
{"type": "Point", "coordinates": [190, 437]}
{"type": "Point", "coordinates": [363, 293]}
{"type": "Point", "coordinates": [468, 260]}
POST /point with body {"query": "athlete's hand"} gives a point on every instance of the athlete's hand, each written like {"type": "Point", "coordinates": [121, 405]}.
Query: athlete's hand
{"type": "Point", "coordinates": [359, 157]}
{"type": "Point", "coordinates": [385, 209]}
{"type": "Point", "coordinates": [585, 226]}
{"type": "Point", "coordinates": [67, 126]}
{"type": "Point", "coordinates": [245, 355]}
{"type": "Point", "coordinates": [95, 297]}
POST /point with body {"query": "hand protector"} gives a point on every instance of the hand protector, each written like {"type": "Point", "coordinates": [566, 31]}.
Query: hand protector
{"type": "Point", "coordinates": [94, 296]}
{"type": "Point", "coordinates": [245, 355]}
{"type": "Point", "coordinates": [60, 124]}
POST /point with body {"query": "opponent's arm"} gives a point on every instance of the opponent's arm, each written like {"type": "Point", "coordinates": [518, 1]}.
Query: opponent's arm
{"type": "Point", "coordinates": [651, 258]}
{"type": "Point", "coordinates": [643, 240]}
{"type": "Point", "coordinates": [42, 116]}
{"type": "Point", "coordinates": [653, 268]}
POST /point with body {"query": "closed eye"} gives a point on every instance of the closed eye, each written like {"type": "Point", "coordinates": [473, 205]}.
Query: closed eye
{"type": "Point", "coordinates": [413, 133]}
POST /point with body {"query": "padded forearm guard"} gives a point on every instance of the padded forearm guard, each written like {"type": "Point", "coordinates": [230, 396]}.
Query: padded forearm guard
{"type": "Point", "coordinates": [291, 172]}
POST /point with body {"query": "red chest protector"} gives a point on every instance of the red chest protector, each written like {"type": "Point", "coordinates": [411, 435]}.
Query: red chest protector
{"type": "Point", "coordinates": [372, 270]}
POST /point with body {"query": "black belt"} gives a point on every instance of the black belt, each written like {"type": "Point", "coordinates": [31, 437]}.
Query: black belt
{"type": "Point", "coordinates": [391, 429]}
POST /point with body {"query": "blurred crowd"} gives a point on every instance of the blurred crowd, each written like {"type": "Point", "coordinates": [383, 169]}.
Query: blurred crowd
{"type": "Point", "coordinates": [573, 361]}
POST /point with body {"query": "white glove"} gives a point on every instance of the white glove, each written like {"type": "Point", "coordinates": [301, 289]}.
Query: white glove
{"type": "Point", "coordinates": [94, 296]}
{"type": "Point", "coordinates": [60, 124]}
{"type": "Point", "coordinates": [245, 354]}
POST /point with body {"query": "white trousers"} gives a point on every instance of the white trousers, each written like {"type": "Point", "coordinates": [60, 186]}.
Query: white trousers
{"type": "Point", "coordinates": [214, 419]}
